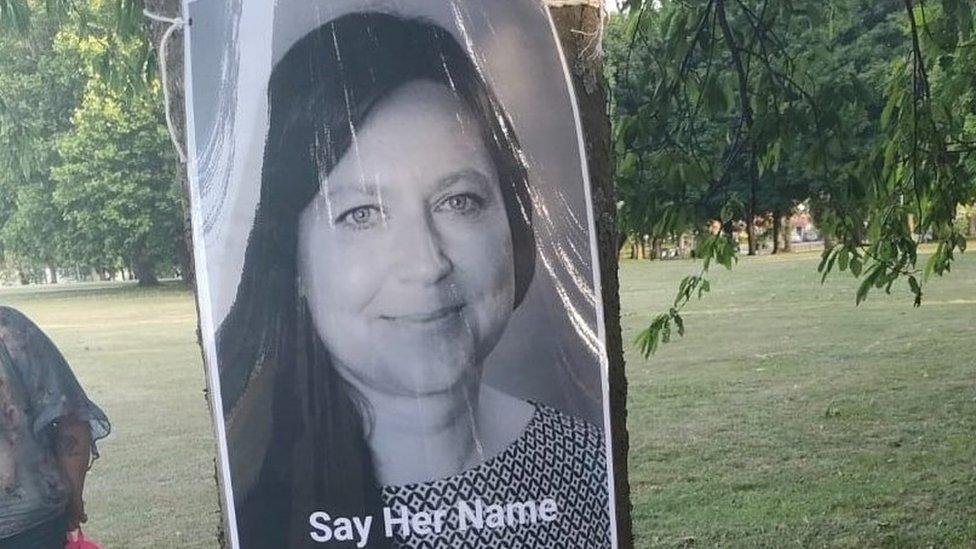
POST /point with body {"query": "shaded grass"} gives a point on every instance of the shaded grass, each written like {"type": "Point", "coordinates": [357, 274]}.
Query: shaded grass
{"type": "Point", "coordinates": [790, 417]}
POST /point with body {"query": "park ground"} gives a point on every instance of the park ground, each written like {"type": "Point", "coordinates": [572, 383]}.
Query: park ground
{"type": "Point", "coordinates": [786, 417]}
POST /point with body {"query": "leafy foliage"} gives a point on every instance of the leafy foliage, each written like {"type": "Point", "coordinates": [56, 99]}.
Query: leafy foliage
{"type": "Point", "coordinates": [732, 110]}
{"type": "Point", "coordinates": [87, 168]}
{"type": "Point", "coordinates": [114, 184]}
{"type": "Point", "coordinates": [30, 121]}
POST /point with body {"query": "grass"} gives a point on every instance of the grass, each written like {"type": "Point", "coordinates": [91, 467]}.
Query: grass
{"type": "Point", "coordinates": [786, 417]}
{"type": "Point", "coordinates": [790, 417]}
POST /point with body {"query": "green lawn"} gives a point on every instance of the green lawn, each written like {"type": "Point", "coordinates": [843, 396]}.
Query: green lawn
{"type": "Point", "coordinates": [786, 417]}
{"type": "Point", "coordinates": [790, 417]}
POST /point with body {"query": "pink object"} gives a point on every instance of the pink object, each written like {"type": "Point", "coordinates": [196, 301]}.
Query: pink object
{"type": "Point", "coordinates": [76, 540]}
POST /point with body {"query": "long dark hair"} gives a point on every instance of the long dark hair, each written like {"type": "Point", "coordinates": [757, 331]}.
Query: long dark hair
{"type": "Point", "coordinates": [319, 94]}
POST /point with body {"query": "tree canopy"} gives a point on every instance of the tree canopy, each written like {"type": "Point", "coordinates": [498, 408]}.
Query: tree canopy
{"type": "Point", "coordinates": [88, 176]}
{"type": "Point", "coordinates": [735, 110]}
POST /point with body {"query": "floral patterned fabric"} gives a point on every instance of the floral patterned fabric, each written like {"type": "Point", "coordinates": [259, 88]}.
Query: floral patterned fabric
{"type": "Point", "coordinates": [36, 388]}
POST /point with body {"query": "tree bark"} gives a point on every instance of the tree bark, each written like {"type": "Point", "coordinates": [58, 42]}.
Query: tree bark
{"type": "Point", "coordinates": [578, 27]}
{"type": "Point", "coordinates": [777, 229]}
{"type": "Point", "coordinates": [787, 234]}
{"type": "Point", "coordinates": [184, 247]}
{"type": "Point", "coordinates": [176, 88]}
{"type": "Point", "coordinates": [751, 232]}
{"type": "Point", "coordinates": [143, 270]}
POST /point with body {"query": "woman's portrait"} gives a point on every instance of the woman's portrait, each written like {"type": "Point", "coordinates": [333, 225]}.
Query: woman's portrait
{"type": "Point", "coordinates": [394, 237]}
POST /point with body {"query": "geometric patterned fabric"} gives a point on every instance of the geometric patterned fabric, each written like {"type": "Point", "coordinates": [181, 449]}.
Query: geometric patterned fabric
{"type": "Point", "coordinates": [558, 457]}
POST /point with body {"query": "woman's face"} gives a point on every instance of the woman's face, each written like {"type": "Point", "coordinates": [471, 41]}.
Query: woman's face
{"type": "Point", "coordinates": [406, 253]}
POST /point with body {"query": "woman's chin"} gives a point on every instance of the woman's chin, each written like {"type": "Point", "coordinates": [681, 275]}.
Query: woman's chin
{"type": "Point", "coordinates": [418, 372]}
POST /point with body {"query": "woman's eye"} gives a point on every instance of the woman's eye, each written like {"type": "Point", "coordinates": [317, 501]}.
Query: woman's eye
{"type": "Point", "coordinates": [460, 203]}
{"type": "Point", "coordinates": [359, 217]}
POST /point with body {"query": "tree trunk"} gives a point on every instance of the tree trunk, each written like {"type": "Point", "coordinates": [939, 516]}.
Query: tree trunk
{"type": "Point", "coordinates": [751, 232]}
{"type": "Point", "coordinates": [143, 270]}
{"type": "Point", "coordinates": [54, 274]}
{"type": "Point", "coordinates": [777, 228]}
{"type": "Point", "coordinates": [656, 248]}
{"type": "Point", "coordinates": [578, 27]}
{"type": "Point", "coordinates": [787, 233]}
{"type": "Point", "coordinates": [184, 248]}
{"type": "Point", "coordinates": [176, 87]}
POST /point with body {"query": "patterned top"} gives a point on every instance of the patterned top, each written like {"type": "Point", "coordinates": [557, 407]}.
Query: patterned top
{"type": "Point", "coordinates": [36, 388]}
{"type": "Point", "coordinates": [547, 489]}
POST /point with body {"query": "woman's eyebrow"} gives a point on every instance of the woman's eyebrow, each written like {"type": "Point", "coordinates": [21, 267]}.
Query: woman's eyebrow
{"type": "Point", "coordinates": [335, 193]}
{"type": "Point", "coordinates": [469, 174]}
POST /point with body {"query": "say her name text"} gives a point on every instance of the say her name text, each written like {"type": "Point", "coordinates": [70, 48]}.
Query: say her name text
{"type": "Point", "coordinates": [401, 521]}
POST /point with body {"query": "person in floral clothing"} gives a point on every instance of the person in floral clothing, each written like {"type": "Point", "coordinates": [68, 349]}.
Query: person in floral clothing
{"type": "Point", "coordinates": [48, 429]}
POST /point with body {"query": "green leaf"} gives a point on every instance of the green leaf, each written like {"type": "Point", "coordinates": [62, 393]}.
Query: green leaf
{"type": "Point", "coordinates": [680, 323]}
{"type": "Point", "coordinates": [872, 278]}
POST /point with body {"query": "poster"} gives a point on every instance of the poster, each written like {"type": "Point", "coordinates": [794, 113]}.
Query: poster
{"type": "Point", "coordinates": [397, 276]}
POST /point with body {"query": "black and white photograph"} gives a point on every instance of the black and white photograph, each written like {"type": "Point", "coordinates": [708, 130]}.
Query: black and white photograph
{"type": "Point", "coordinates": [397, 278]}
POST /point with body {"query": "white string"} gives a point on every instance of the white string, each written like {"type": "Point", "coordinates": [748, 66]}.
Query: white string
{"type": "Point", "coordinates": [174, 24]}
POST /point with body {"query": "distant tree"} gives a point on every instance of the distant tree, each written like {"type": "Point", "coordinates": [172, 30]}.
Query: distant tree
{"type": "Point", "coordinates": [98, 171]}
{"type": "Point", "coordinates": [31, 119]}
{"type": "Point", "coordinates": [114, 184]}
{"type": "Point", "coordinates": [33, 235]}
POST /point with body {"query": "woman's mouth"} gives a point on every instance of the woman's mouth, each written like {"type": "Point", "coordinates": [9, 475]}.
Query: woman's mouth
{"type": "Point", "coordinates": [425, 317]}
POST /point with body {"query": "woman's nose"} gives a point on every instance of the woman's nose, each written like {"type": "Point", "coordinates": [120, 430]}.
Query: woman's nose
{"type": "Point", "coordinates": [422, 256]}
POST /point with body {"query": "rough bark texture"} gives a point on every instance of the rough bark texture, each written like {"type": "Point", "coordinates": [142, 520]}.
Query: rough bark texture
{"type": "Point", "coordinates": [777, 230]}
{"type": "Point", "coordinates": [143, 271]}
{"type": "Point", "coordinates": [787, 233]}
{"type": "Point", "coordinates": [175, 85]}
{"type": "Point", "coordinates": [579, 29]}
